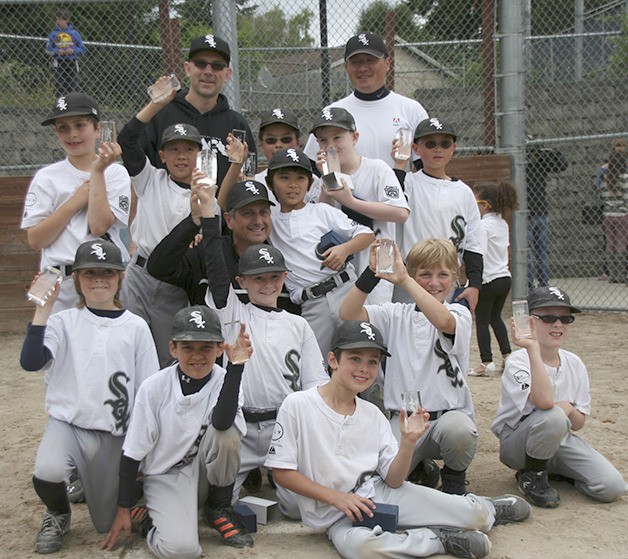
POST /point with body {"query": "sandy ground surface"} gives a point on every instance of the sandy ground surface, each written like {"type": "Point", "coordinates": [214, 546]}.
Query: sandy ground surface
{"type": "Point", "coordinates": [579, 528]}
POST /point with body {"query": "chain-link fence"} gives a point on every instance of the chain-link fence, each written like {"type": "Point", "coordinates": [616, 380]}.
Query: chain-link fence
{"type": "Point", "coordinates": [451, 56]}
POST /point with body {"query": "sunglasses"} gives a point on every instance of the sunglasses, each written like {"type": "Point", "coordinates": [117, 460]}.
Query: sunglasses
{"type": "Point", "coordinates": [551, 318]}
{"type": "Point", "coordinates": [431, 144]}
{"type": "Point", "coordinates": [271, 141]}
{"type": "Point", "coordinates": [216, 66]}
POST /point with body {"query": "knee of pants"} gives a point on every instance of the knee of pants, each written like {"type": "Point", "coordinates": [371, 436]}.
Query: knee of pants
{"type": "Point", "coordinates": [553, 423]}
{"type": "Point", "coordinates": [228, 440]}
{"type": "Point", "coordinates": [458, 432]}
{"type": "Point", "coordinates": [181, 548]}
{"type": "Point", "coordinates": [605, 489]}
{"type": "Point", "coordinates": [52, 472]}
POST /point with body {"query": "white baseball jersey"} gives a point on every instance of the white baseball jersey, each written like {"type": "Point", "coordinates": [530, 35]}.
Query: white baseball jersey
{"type": "Point", "coordinates": [297, 233]}
{"type": "Point", "coordinates": [167, 427]}
{"type": "Point", "coordinates": [312, 196]}
{"type": "Point", "coordinates": [331, 449]}
{"type": "Point", "coordinates": [441, 209]}
{"type": "Point", "coordinates": [97, 368]}
{"type": "Point", "coordinates": [162, 204]}
{"type": "Point", "coordinates": [570, 383]}
{"type": "Point", "coordinates": [52, 186]}
{"type": "Point", "coordinates": [424, 359]}
{"type": "Point", "coordinates": [377, 122]}
{"type": "Point", "coordinates": [495, 249]}
{"type": "Point", "coordinates": [286, 357]}
{"type": "Point", "coordinates": [375, 181]}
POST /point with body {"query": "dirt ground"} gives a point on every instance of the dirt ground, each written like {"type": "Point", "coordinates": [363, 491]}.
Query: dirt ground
{"type": "Point", "coordinates": [579, 528]}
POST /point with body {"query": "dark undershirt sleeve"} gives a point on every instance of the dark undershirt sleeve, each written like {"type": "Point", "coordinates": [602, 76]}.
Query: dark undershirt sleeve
{"type": "Point", "coordinates": [128, 492]}
{"type": "Point", "coordinates": [226, 407]}
{"type": "Point", "coordinates": [34, 353]}
{"type": "Point", "coordinates": [474, 265]}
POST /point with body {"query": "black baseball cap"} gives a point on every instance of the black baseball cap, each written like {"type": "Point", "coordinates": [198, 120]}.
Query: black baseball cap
{"type": "Point", "coordinates": [211, 43]}
{"type": "Point", "coordinates": [258, 259]}
{"type": "Point", "coordinates": [98, 254]}
{"type": "Point", "coordinates": [279, 116]}
{"type": "Point", "coordinates": [73, 104]}
{"type": "Point", "coordinates": [244, 193]}
{"type": "Point", "coordinates": [290, 157]}
{"type": "Point", "coordinates": [181, 131]}
{"type": "Point", "coordinates": [334, 116]}
{"type": "Point", "coordinates": [356, 334]}
{"type": "Point", "coordinates": [366, 43]}
{"type": "Point", "coordinates": [550, 297]}
{"type": "Point", "coordinates": [196, 324]}
{"type": "Point", "coordinates": [434, 126]}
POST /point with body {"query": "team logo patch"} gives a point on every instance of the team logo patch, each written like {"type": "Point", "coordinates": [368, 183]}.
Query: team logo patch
{"type": "Point", "coordinates": [197, 318]}
{"type": "Point", "coordinates": [209, 39]}
{"type": "Point", "coordinates": [98, 251]}
{"type": "Point", "coordinates": [557, 293]}
{"type": "Point", "coordinates": [327, 114]}
{"type": "Point", "coordinates": [62, 104]}
{"type": "Point", "coordinates": [362, 38]}
{"type": "Point", "coordinates": [391, 191]}
{"type": "Point", "coordinates": [523, 379]}
{"type": "Point", "coordinates": [31, 198]}
{"type": "Point", "coordinates": [277, 113]}
{"type": "Point", "coordinates": [123, 203]}
{"type": "Point", "coordinates": [250, 186]}
{"type": "Point", "coordinates": [277, 431]}
{"type": "Point", "coordinates": [180, 129]}
{"type": "Point", "coordinates": [366, 329]}
{"type": "Point", "coordinates": [436, 123]}
{"type": "Point", "coordinates": [292, 154]}
{"type": "Point", "coordinates": [265, 255]}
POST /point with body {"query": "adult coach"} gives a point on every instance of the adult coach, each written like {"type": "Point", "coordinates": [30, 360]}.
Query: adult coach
{"type": "Point", "coordinates": [378, 112]}
{"type": "Point", "coordinates": [202, 104]}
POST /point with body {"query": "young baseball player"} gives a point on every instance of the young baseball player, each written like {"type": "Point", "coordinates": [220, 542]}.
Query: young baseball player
{"type": "Point", "coordinates": [334, 458]}
{"type": "Point", "coordinates": [442, 207]}
{"type": "Point", "coordinates": [495, 201]}
{"type": "Point", "coordinates": [287, 357]}
{"type": "Point", "coordinates": [429, 340]}
{"type": "Point", "coordinates": [371, 193]}
{"type": "Point", "coordinates": [95, 356]}
{"type": "Point", "coordinates": [279, 129]}
{"type": "Point", "coordinates": [184, 436]}
{"type": "Point", "coordinates": [163, 201]}
{"type": "Point", "coordinates": [545, 399]}
{"type": "Point", "coordinates": [319, 281]}
{"type": "Point", "coordinates": [83, 197]}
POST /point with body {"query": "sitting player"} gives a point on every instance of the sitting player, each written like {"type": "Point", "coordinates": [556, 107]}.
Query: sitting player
{"type": "Point", "coordinates": [334, 456]}
{"type": "Point", "coordinates": [545, 399]}
{"type": "Point", "coordinates": [185, 437]}
{"type": "Point", "coordinates": [96, 356]}
{"type": "Point", "coordinates": [430, 341]}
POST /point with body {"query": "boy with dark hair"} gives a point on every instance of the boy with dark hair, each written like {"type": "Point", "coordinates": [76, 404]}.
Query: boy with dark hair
{"type": "Point", "coordinates": [545, 400]}
{"type": "Point", "coordinates": [83, 197]}
{"type": "Point", "coordinates": [184, 436]}
{"type": "Point", "coordinates": [334, 457]}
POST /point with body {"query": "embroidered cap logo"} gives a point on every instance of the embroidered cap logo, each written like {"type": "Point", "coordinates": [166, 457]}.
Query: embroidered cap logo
{"type": "Point", "coordinates": [366, 329]}
{"type": "Point", "coordinates": [436, 123]}
{"type": "Point", "coordinates": [180, 129]}
{"type": "Point", "coordinates": [278, 114]}
{"type": "Point", "coordinates": [292, 154]}
{"type": "Point", "coordinates": [362, 38]}
{"type": "Point", "coordinates": [265, 255]}
{"type": "Point", "coordinates": [197, 318]}
{"type": "Point", "coordinates": [557, 293]}
{"type": "Point", "coordinates": [251, 187]}
{"type": "Point", "coordinates": [98, 251]}
{"type": "Point", "coordinates": [327, 114]}
{"type": "Point", "coordinates": [209, 39]}
{"type": "Point", "coordinates": [62, 105]}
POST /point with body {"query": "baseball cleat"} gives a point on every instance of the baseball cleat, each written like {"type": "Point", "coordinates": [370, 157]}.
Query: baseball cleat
{"type": "Point", "coordinates": [426, 473]}
{"type": "Point", "coordinates": [536, 488]}
{"type": "Point", "coordinates": [510, 508]}
{"type": "Point", "coordinates": [229, 527]}
{"type": "Point", "coordinates": [53, 528]}
{"type": "Point", "coordinates": [471, 544]}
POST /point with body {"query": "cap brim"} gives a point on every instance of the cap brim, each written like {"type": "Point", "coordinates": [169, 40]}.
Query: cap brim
{"type": "Point", "coordinates": [220, 52]}
{"type": "Point", "coordinates": [336, 124]}
{"type": "Point", "coordinates": [196, 337]}
{"type": "Point", "coordinates": [263, 270]}
{"type": "Point", "coordinates": [51, 120]}
{"type": "Point", "coordinates": [291, 164]}
{"type": "Point", "coordinates": [106, 265]}
{"type": "Point", "coordinates": [375, 53]}
{"type": "Point", "coordinates": [556, 304]}
{"type": "Point", "coordinates": [431, 133]}
{"type": "Point", "coordinates": [268, 122]}
{"type": "Point", "coordinates": [246, 201]}
{"type": "Point", "coordinates": [363, 344]}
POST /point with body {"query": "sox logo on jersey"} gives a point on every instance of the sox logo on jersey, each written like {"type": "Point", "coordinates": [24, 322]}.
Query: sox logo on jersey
{"type": "Point", "coordinates": [119, 405]}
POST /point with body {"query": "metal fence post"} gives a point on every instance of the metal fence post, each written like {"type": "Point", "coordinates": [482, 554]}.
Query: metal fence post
{"type": "Point", "coordinates": [225, 26]}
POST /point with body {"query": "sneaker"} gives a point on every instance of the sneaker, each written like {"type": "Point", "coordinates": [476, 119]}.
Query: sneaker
{"type": "Point", "coordinates": [464, 543]}
{"type": "Point", "coordinates": [53, 528]}
{"type": "Point", "coordinates": [141, 522]}
{"type": "Point", "coordinates": [426, 473]}
{"type": "Point", "coordinates": [483, 370]}
{"type": "Point", "coordinates": [510, 508]}
{"type": "Point", "coordinates": [229, 526]}
{"type": "Point", "coordinates": [253, 481]}
{"type": "Point", "coordinates": [536, 488]}
{"type": "Point", "coordinates": [454, 484]}
{"type": "Point", "coordinates": [75, 490]}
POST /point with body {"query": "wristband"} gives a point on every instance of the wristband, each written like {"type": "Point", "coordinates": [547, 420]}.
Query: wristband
{"type": "Point", "coordinates": [367, 280]}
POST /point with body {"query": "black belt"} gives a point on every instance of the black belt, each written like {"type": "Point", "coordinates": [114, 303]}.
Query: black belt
{"type": "Point", "coordinates": [140, 261]}
{"type": "Point", "coordinates": [258, 416]}
{"type": "Point", "coordinates": [434, 415]}
{"type": "Point", "coordinates": [322, 288]}
{"type": "Point", "coordinates": [65, 270]}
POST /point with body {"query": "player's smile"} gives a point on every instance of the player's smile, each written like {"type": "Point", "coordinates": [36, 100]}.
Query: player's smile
{"type": "Point", "coordinates": [99, 286]}
{"type": "Point", "coordinates": [357, 368]}
{"type": "Point", "coordinates": [550, 334]}
{"type": "Point", "coordinates": [179, 156]}
{"type": "Point", "coordinates": [290, 188]}
{"type": "Point", "coordinates": [438, 282]}
{"type": "Point", "coordinates": [250, 225]}
{"type": "Point", "coordinates": [196, 359]}
{"type": "Point", "coordinates": [76, 134]}
{"type": "Point", "coordinates": [263, 289]}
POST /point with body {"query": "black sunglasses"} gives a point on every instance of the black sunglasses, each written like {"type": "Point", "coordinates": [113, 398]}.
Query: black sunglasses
{"type": "Point", "coordinates": [272, 141]}
{"type": "Point", "coordinates": [551, 318]}
{"type": "Point", "coordinates": [216, 66]}
{"type": "Point", "coordinates": [431, 144]}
